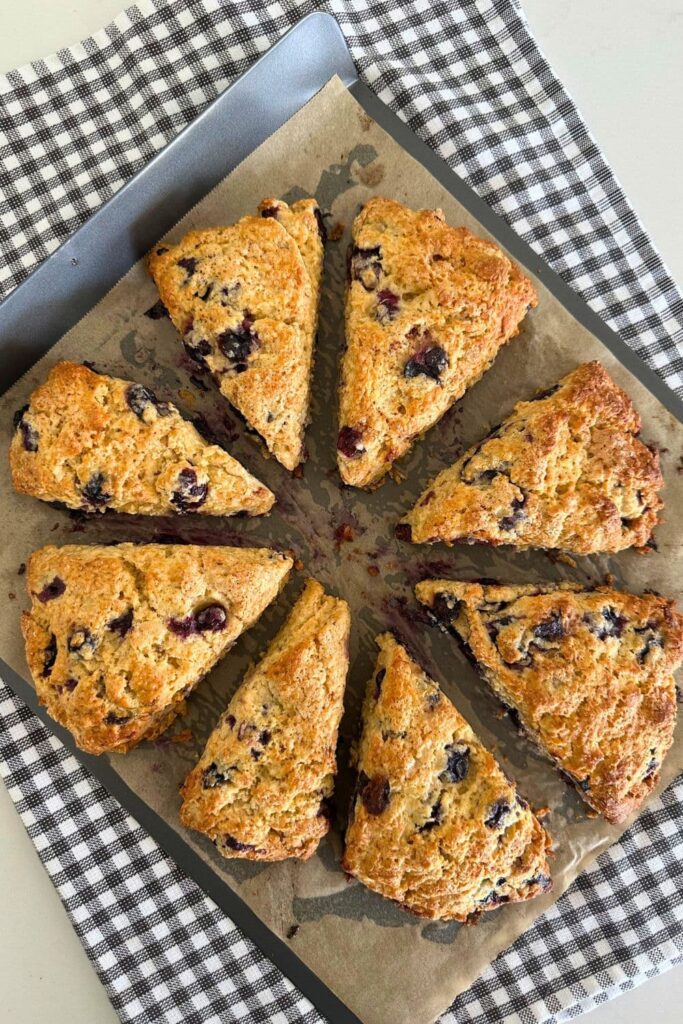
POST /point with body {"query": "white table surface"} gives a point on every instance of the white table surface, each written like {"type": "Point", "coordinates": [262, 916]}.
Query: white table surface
{"type": "Point", "coordinates": [621, 61]}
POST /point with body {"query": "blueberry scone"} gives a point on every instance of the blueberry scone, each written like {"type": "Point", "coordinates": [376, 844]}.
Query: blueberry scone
{"type": "Point", "coordinates": [428, 307]}
{"type": "Point", "coordinates": [118, 636]}
{"type": "Point", "coordinates": [435, 823]}
{"type": "Point", "coordinates": [587, 674]}
{"type": "Point", "coordinates": [245, 301]}
{"type": "Point", "coordinates": [95, 442]}
{"type": "Point", "coordinates": [565, 470]}
{"type": "Point", "coordinates": [261, 787]}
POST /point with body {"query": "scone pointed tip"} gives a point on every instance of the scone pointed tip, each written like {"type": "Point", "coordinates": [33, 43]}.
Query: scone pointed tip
{"type": "Point", "coordinates": [435, 824]}
{"type": "Point", "coordinates": [565, 471]}
{"type": "Point", "coordinates": [262, 786]}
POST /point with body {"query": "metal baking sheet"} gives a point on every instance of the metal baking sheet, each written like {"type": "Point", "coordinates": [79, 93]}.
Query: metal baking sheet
{"type": "Point", "coordinates": [83, 270]}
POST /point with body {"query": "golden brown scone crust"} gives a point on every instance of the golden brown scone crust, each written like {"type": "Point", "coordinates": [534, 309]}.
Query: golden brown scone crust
{"type": "Point", "coordinates": [260, 788]}
{"type": "Point", "coordinates": [245, 300]}
{"type": "Point", "coordinates": [96, 442]}
{"type": "Point", "coordinates": [428, 307]}
{"type": "Point", "coordinates": [118, 636]}
{"type": "Point", "coordinates": [565, 470]}
{"type": "Point", "coordinates": [587, 673]}
{"type": "Point", "coordinates": [435, 824]}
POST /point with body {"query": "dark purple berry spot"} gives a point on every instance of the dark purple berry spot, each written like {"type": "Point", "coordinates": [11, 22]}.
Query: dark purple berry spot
{"type": "Point", "coordinates": [235, 844]}
{"type": "Point", "coordinates": [270, 211]}
{"type": "Point", "coordinates": [433, 700]}
{"type": "Point", "coordinates": [542, 881]}
{"type": "Point", "coordinates": [551, 629]}
{"type": "Point", "coordinates": [52, 590]}
{"type": "Point", "coordinates": [571, 780]}
{"type": "Point", "coordinates": [497, 815]}
{"type": "Point", "coordinates": [157, 312]}
{"type": "Point", "coordinates": [190, 494]}
{"type": "Point", "coordinates": [189, 265]}
{"type": "Point", "coordinates": [379, 678]}
{"type": "Point", "coordinates": [140, 399]}
{"type": "Point", "coordinates": [231, 720]}
{"type": "Point", "coordinates": [652, 641]}
{"type": "Point", "coordinates": [113, 718]}
{"type": "Point", "coordinates": [320, 221]}
{"type": "Point", "coordinates": [494, 899]}
{"type": "Point", "coordinates": [366, 266]}
{"type": "Point", "coordinates": [29, 435]}
{"type": "Point", "coordinates": [387, 306]}
{"type": "Point", "coordinates": [206, 294]}
{"type": "Point", "coordinates": [94, 492]}
{"type": "Point", "coordinates": [238, 343]}
{"type": "Point", "coordinates": [198, 350]}
{"type": "Point", "coordinates": [256, 754]}
{"type": "Point", "coordinates": [49, 657]}
{"type": "Point", "coordinates": [375, 793]}
{"type": "Point", "coordinates": [212, 777]}
{"type": "Point", "coordinates": [211, 619]}
{"type": "Point", "coordinates": [613, 625]}
{"type": "Point", "coordinates": [349, 442]}
{"type": "Point", "coordinates": [70, 684]}
{"type": "Point", "coordinates": [651, 769]}
{"type": "Point", "coordinates": [403, 531]}
{"type": "Point", "coordinates": [457, 763]}
{"type": "Point", "coordinates": [435, 818]}
{"type": "Point", "coordinates": [183, 627]}
{"type": "Point", "coordinates": [122, 624]}
{"type": "Point", "coordinates": [518, 513]}
{"type": "Point", "coordinates": [444, 609]}
{"type": "Point", "coordinates": [428, 362]}
{"type": "Point", "coordinates": [81, 641]}
{"type": "Point", "coordinates": [265, 737]}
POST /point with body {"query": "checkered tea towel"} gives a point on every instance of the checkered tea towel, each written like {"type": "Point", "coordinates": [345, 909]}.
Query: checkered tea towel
{"type": "Point", "coordinates": [469, 79]}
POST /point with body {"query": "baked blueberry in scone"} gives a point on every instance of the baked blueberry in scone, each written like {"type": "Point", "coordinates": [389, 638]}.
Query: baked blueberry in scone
{"type": "Point", "coordinates": [117, 637]}
{"type": "Point", "coordinates": [245, 301]}
{"type": "Point", "coordinates": [435, 823]}
{"type": "Point", "coordinates": [587, 674]}
{"type": "Point", "coordinates": [428, 307]}
{"type": "Point", "coordinates": [565, 470]}
{"type": "Point", "coordinates": [261, 787]}
{"type": "Point", "coordinates": [95, 442]}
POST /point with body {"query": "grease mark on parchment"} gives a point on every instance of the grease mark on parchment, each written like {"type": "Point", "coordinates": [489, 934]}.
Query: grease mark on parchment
{"type": "Point", "coordinates": [337, 178]}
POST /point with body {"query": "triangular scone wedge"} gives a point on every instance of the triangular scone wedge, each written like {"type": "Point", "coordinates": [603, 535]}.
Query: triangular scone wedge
{"type": "Point", "coordinates": [118, 636]}
{"type": "Point", "coordinates": [586, 673]}
{"type": "Point", "coordinates": [435, 823]}
{"type": "Point", "coordinates": [260, 788]}
{"type": "Point", "coordinates": [566, 470]}
{"type": "Point", "coordinates": [428, 307]}
{"type": "Point", "coordinates": [245, 300]}
{"type": "Point", "coordinates": [95, 442]}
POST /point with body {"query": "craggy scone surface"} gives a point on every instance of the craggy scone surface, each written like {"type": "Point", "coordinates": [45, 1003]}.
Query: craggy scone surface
{"type": "Point", "coordinates": [118, 636]}
{"type": "Point", "coordinates": [435, 824]}
{"type": "Point", "coordinates": [566, 470]}
{"type": "Point", "coordinates": [428, 307]}
{"type": "Point", "coordinates": [95, 442]}
{"type": "Point", "coordinates": [586, 673]}
{"type": "Point", "coordinates": [245, 301]}
{"type": "Point", "coordinates": [260, 788]}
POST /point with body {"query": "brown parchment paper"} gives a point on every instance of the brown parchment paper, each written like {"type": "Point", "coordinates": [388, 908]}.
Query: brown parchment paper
{"type": "Point", "coordinates": [385, 965]}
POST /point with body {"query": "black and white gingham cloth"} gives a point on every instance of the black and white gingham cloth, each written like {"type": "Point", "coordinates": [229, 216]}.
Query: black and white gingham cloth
{"type": "Point", "coordinates": [469, 79]}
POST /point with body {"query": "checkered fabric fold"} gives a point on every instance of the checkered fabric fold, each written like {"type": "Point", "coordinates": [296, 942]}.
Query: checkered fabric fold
{"type": "Point", "coordinates": [469, 79]}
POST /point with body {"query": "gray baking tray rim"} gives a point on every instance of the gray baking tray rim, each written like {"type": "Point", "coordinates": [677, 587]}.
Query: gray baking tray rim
{"type": "Point", "coordinates": [78, 274]}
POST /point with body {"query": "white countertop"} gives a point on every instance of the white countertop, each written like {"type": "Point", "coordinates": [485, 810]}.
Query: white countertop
{"type": "Point", "coordinates": [621, 61]}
